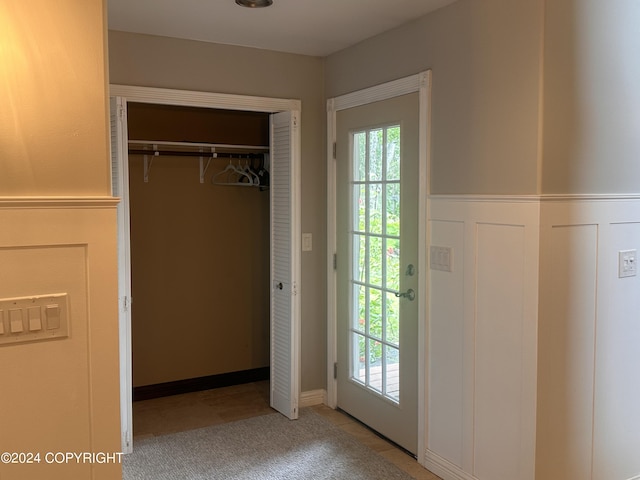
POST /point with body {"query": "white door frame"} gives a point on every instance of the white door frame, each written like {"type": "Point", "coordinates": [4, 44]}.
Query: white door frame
{"type": "Point", "coordinates": [162, 96]}
{"type": "Point", "coordinates": [420, 83]}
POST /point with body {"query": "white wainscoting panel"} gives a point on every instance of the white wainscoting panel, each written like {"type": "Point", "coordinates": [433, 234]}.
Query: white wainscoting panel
{"type": "Point", "coordinates": [482, 338]}
{"type": "Point", "coordinates": [534, 340]}
{"type": "Point", "coordinates": [567, 354]}
{"type": "Point", "coordinates": [61, 394]}
{"type": "Point", "coordinates": [446, 392]}
{"type": "Point", "coordinates": [589, 372]}
{"type": "Point", "coordinates": [498, 359]}
{"type": "Point", "coordinates": [617, 375]}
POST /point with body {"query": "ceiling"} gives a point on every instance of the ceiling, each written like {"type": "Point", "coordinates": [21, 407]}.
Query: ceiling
{"type": "Point", "coordinates": [309, 27]}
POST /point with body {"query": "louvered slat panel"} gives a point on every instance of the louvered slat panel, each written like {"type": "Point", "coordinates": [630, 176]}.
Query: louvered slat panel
{"type": "Point", "coordinates": [115, 173]}
{"type": "Point", "coordinates": [283, 385]}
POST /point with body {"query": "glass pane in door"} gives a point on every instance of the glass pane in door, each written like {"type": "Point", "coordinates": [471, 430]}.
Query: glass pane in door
{"type": "Point", "coordinates": [375, 270]}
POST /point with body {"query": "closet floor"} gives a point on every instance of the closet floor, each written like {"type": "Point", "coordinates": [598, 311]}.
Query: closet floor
{"type": "Point", "coordinates": [160, 416]}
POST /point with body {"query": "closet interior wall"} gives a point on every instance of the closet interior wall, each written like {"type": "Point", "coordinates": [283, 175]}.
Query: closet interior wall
{"type": "Point", "coordinates": [199, 252]}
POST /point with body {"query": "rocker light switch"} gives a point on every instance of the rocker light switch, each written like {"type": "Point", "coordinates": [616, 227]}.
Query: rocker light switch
{"type": "Point", "coordinates": [53, 317]}
{"type": "Point", "coordinates": [15, 319]}
{"type": "Point", "coordinates": [35, 319]}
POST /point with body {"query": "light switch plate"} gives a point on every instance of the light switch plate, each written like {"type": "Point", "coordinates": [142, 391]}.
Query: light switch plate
{"type": "Point", "coordinates": [28, 319]}
{"type": "Point", "coordinates": [307, 242]}
{"type": "Point", "coordinates": [441, 258]}
{"type": "Point", "coordinates": [627, 263]}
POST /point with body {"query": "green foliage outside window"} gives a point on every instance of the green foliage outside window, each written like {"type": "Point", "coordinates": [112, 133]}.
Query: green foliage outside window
{"type": "Point", "coordinates": [376, 243]}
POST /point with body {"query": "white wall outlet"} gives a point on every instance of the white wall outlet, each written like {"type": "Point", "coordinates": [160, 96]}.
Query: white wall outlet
{"type": "Point", "coordinates": [441, 258]}
{"type": "Point", "coordinates": [627, 263]}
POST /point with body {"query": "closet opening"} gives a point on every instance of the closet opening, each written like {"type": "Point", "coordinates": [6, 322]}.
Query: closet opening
{"type": "Point", "coordinates": [199, 241]}
{"type": "Point", "coordinates": [211, 268]}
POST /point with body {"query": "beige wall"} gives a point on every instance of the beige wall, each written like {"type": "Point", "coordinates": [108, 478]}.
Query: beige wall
{"type": "Point", "coordinates": [591, 97]}
{"type": "Point", "coordinates": [58, 395]}
{"type": "Point", "coordinates": [199, 252]}
{"type": "Point", "coordinates": [180, 64]}
{"type": "Point", "coordinates": [485, 58]}
{"type": "Point", "coordinates": [491, 130]}
{"type": "Point", "coordinates": [53, 137]}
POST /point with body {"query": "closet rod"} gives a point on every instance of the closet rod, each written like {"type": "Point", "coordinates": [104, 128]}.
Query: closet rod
{"type": "Point", "coordinates": [175, 153]}
{"type": "Point", "coordinates": [167, 143]}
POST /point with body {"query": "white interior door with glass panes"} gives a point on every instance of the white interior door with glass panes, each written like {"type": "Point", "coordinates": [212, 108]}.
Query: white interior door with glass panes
{"type": "Point", "coordinates": [377, 258]}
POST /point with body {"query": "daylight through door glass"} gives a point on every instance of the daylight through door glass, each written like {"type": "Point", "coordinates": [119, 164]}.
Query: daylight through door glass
{"type": "Point", "coordinates": [375, 271]}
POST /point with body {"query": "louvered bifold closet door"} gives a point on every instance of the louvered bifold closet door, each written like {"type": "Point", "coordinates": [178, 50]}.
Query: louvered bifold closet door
{"type": "Point", "coordinates": [285, 264]}
{"type": "Point", "coordinates": [120, 188]}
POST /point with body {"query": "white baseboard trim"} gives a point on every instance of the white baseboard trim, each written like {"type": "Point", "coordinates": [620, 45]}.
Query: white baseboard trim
{"type": "Point", "coordinates": [443, 468]}
{"type": "Point", "coordinates": [637, 477]}
{"type": "Point", "coordinates": [313, 397]}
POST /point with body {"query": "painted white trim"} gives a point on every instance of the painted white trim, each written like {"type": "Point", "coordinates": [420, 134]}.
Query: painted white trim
{"type": "Point", "coordinates": [164, 96]}
{"type": "Point", "coordinates": [589, 197]}
{"type": "Point", "coordinates": [120, 185]}
{"type": "Point", "coordinates": [476, 198]}
{"type": "Point", "coordinates": [487, 198]}
{"type": "Point", "coordinates": [58, 202]}
{"type": "Point", "coordinates": [332, 248]}
{"type": "Point", "coordinates": [443, 468]}
{"type": "Point", "coordinates": [384, 91]}
{"type": "Point", "coordinates": [313, 397]}
{"type": "Point", "coordinates": [424, 168]}
{"type": "Point", "coordinates": [420, 83]}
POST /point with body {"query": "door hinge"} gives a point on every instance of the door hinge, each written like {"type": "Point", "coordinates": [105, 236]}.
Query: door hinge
{"type": "Point", "coordinates": [126, 303]}
{"type": "Point", "coordinates": [335, 261]}
{"type": "Point", "coordinates": [335, 150]}
{"type": "Point", "coordinates": [335, 370]}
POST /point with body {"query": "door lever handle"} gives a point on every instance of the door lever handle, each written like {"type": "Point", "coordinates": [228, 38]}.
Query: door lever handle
{"type": "Point", "coordinates": [410, 294]}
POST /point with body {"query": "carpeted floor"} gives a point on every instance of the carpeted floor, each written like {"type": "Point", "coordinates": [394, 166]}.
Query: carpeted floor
{"type": "Point", "coordinates": [260, 448]}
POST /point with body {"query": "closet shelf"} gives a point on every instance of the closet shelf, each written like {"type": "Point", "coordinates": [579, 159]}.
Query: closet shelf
{"type": "Point", "coordinates": [155, 148]}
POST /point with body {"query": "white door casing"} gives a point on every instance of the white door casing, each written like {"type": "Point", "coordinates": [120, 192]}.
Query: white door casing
{"type": "Point", "coordinates": [120, 188]}
{"type": "Point", "coordinates": [287, 361]}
